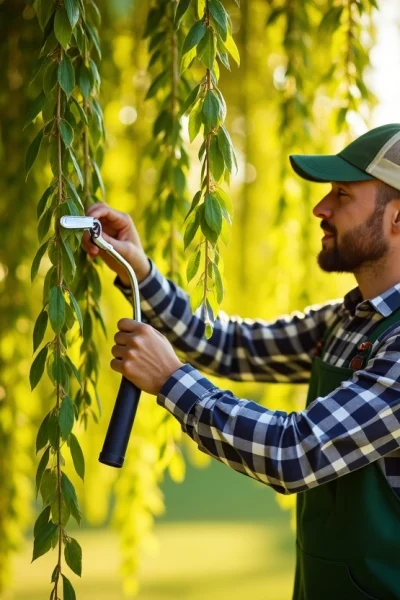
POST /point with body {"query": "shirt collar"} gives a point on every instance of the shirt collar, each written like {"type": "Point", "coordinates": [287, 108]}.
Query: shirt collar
{"type": "Point", "coordinates": [384, 303]}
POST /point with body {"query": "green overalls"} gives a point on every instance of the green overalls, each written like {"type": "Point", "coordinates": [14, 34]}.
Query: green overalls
{"type": "Point", "coordinates": [348, 530]}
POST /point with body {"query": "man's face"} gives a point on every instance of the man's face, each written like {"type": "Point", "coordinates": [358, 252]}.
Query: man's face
{"type": "Point", "coordinates": [349, 212]}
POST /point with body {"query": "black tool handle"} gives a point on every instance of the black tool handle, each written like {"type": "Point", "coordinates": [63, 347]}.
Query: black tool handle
{"type": "Point", "coordinates": [119, 429]}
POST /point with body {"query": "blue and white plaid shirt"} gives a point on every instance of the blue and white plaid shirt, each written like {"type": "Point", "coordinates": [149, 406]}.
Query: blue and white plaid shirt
{"type": "Point", "coordinates": [356, 424]}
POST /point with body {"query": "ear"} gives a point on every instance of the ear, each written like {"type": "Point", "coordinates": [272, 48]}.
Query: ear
{"type": "Point", "coordinates": [396, 221]}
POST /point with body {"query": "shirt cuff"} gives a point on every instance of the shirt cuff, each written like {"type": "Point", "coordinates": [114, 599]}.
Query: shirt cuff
{"type": "Point", "coordinates": [182, 390]}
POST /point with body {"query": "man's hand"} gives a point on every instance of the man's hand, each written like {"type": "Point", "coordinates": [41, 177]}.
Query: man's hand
{"type": "Point", "coordinates": [143, 355]}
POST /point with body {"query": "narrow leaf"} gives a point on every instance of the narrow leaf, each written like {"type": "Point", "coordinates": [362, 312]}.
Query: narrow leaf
{"type": "Point", "coordinates": [41, 521]}
{"type": "Point", "coordinates": [77, 168]}
{"type": "Point", "coordinates": [68, 590]}
{"type": "Point", "coordinates": [76, 309]}
{"type": "Point", "coordinates": [39, 329]}
{"type": "Point", "coordinates": [42, 435]}
{"type": "Point", "coordinates": [194, 36]}
{"type": "Point", "coordinates": [62, 27]}
{"type": "Point", "coordinates": [56, 309]}
{"type": "Point", "coordinates": [37, 368]}
{"type": "Point", "coordinates": [66, 417]}
{"type": "Point", "coordinates": [41, 468]}
{"type": "Point", "coordinates": [77, 456]}
{"type": "Point", "coordinates": [193, 265]}
{"type": "Point", "coordinates": [35, 108]}
{"type": "Point", "coordinates": [67, 133]}
{"type": "Point", "coordinates": [33, 152]}
{"type": "Point", "coordinates": [72, 8]}
{"type": "Point", "coordinates": [73, 556]}
{"type": "Point", "coordinates": [212, 213]}
{"type": "Point", "coordinates": [42, 543]}
{"type": "Point", "coordinates": [37, 260]}
{"type": "Point", "coordinates": [66, 75]}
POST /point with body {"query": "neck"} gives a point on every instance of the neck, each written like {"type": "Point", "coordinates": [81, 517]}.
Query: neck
{"type": "Point", "coordinates": [376, 279]}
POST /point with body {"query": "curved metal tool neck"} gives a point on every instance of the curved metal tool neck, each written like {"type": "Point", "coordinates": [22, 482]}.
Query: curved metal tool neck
{"type": "Point", "coordinates": [95, 230]}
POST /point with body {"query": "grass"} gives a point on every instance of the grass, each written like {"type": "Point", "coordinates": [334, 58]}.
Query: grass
{"type": "Point", "coordinates": [194, 561]}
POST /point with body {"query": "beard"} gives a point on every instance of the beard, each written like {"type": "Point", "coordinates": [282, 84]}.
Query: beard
{"type": "Point", "coordinates": [363, 246]}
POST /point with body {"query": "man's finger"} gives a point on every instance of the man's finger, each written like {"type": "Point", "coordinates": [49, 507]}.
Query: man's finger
{"type": "Point", "coordinates": [129, 325]}
{"type": "Point", "coordinates": [119, 351]}
{"type": "Point", "coordinates": [116, 365]}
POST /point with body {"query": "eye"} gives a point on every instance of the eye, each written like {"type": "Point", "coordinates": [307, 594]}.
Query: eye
{"type": "Point", "coordinates": [342, 192]}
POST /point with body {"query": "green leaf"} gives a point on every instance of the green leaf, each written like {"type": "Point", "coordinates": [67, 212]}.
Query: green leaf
{"type": "Point", "coordinates": [195, 120]}
{"type": "Point", "coordinates": [53, 427]}
{"type": "Point", "coordinates": [219, 13]}
{"type": "Point", "coordinates": [44, 9]}
{"type": "Point", "coordinates": [98, 179]}
{"type": "Point", "coordinates": [33, 152]}
{"type": "Point", "coordinates": [190, 100]}
{"type": "Point", "coordinates": [73, 556]}
{"type": "Point", "coordinates": [37, 260]}
{"type": "Point", "coordinates": [94, 38]}
{"type": "Point", "coordinates": [156, 84]}
{"type": "Point", "coordinates": [231, 47]}
{"type": "Point", "coordinates": [194, 36]}
{"type": "Point", "coordinates": [224, 132]}
{"type": "Point", "coordinates": [44, 224]}
{"type": "Point", "coordinates": [72, 8]}
{"type": "Point", "coordinates": [80, 110]}
{"type": "Point", "coordinates": [49, 80]}
{"type": "Point", "coordinates": [68, 590]}
{"type": "Point", "coordinates": [67, 133]}
{"type": "Point", "coordinates": [206, 50]}
{"type": "Point", "coordinates": [66, 417]}
{"type": "Point", "coordinates": [62, 27]}
{"type": "Point", "coordinates": [95, 72]}
{"type": "Point", "coordinates": [39, 329]}
{"type": "Point", "coordinates": [217, 165]}
{"type": "Point", "coordinates": [42, 435]}
{"type": "Point", "coordinates": [77, 169]}
{"type": "Point", "coordinates": [35, 108]}
{"type": "Point", "coordinates": [195, 201]}
{"type": "Point", "coordinates": [212, 213]}
{"type": "Point", "coordinates": [37, 368]}
{"type": "Point", "coordinates": [56, 308]}
{"type": "Point", "coordinates": [66, 75]}
{"type": "Point", "coordinates": [70, 496]}
{"type": "Point", "coordinates": [77, 309]}
{"type": "Point", "coordinates": [224, 199]}
{"type": "Point", "coordinates": [225, 148]}
{"type": "Point", "coordinates": [41, 468]}
{"type": "Point", "coordinates": [74, 194]}
{"type": "Point", "coordinates": [68, 261]}
{"type": "Point", "coordinates": [43, 201]}
{"type": "Point", "coordinates": [85, 82]}
{"type": "Point", "coordinates": [73, 369]}
{"type": "Point", "coordinates": [41, 521]}
{"type": "Point", "coordinates": [55, 511]}
{"type": "Point", "coordinates": [180, 11]}
{"type": "Point", "coordinates": [42, 542]}
{"type": "Point", "coordinates": [211, 110]}
{"type": "Point", "coordinates": [218, 283]}
{"type": "Point", "coordinates": [77, 456]}
{"type": "Point", "coordinates": [48, 486]}
{"type": "Point", "coordinates": [191, 230]}
{"type": "Point", "coordinates": [209, 233]}
{"type": "Point", "coordinates": [193, 265]}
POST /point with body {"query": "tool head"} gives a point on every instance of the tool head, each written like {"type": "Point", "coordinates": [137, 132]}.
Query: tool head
{"type": "Point", "coordinates": [70, 222]}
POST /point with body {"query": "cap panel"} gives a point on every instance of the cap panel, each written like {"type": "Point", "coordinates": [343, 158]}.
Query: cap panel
{"type": "Point", "coordinates": [362, 151]}
{"type": "Point", "coordinates": [383, 152]}
{"type": "Point", "coordinates": [388, 172]}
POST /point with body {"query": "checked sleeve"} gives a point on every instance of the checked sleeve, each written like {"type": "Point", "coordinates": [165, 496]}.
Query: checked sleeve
{"type": "Point", "coordinates": [356, 424]}
{"type": "Point", "coordinates": [241, 349]}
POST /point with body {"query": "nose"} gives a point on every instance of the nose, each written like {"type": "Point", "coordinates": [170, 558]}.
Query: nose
{"type": "Point", "coordinates": [323, 209]}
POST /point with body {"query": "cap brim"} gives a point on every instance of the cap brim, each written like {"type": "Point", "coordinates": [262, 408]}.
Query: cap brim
{"type": "Point", "coordinates": [323, 168]}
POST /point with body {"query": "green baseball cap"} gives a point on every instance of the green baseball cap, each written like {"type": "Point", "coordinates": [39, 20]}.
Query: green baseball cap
{"type": "Point", "coordinates": [373, 155]}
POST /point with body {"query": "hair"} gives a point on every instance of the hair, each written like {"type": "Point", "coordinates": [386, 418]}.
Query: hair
{"type": "Point", "coordinates": [385, 194]}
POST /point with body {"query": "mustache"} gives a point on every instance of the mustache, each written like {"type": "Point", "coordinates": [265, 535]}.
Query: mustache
{"type": "Point", "coordinates": [327, 227]}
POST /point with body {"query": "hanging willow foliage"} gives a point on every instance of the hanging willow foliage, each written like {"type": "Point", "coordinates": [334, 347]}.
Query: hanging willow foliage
{"type": "Point", "coordinates": [209, 40]}
{"type": "Point", "coordinates": [72, 129]}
